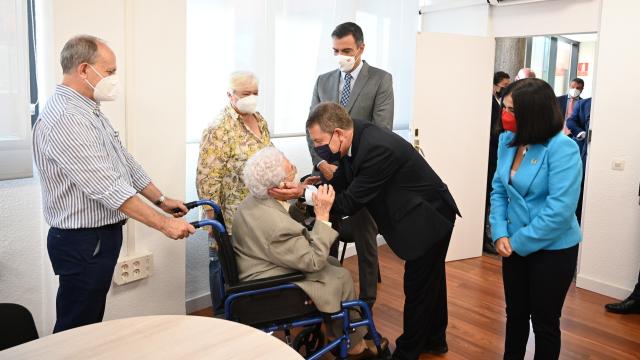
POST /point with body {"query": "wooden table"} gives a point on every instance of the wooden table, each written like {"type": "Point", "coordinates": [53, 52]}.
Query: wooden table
{"type": "Point", "coordinates": [157, 337]}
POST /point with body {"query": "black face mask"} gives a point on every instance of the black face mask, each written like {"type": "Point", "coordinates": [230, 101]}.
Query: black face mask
{"type": "Point", "coordinates": [325, 153]}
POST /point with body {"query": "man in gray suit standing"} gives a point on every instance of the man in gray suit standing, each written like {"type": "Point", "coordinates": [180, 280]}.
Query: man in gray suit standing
{"type": "Point", "coordinates": [366, 93]}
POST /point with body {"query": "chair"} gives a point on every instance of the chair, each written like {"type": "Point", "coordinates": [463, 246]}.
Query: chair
{"type": "Point", "coordinates": [17, 326]}
{"type": "Point", "coordinates": [289, 306]}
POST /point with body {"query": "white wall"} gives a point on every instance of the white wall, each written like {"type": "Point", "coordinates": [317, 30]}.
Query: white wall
{"type": "Point", "coordinates": [469, 20]}
{"type": "Point", "coordinates": [155, 123]}
{"type": "Point", "coordinates": [150, 116]}
{"type": "Point", "coordinates": [587, 54]}
{"type": "Point", "coordinates": [610, 257]}
{"type": "Point", "coordinates": [546, 18]}
{"type": "Point", "coordinates": [542, 18]}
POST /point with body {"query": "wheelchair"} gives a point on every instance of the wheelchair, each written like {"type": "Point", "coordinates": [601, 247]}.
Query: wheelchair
{"type": "Point", "coordinates": [288, 306]}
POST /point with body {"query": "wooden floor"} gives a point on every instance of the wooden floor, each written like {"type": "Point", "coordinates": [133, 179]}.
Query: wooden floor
{"type": "Point", "coordinates": [477, 317]}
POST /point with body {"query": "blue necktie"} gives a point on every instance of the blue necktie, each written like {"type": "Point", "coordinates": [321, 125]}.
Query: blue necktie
{"type": "Point", "coordinates": [346, 90]}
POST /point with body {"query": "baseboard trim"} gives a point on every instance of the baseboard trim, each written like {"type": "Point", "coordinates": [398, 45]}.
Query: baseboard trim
{"type": "Point", "coordinates": [204, 301]}
{"type": "Point", "coordinates": [597, 286]}
{"type": "Point", "coordinates": [198, 303]}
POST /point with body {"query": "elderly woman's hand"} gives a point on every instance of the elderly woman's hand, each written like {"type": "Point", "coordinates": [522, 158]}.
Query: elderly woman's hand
{"type": "Point", "coordinates": [322, 201]}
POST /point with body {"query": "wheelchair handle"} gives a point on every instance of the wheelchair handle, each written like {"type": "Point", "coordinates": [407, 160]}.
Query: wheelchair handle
{"type": "Point", "coordinates": [210, 222]}
{"type": "Point", "coordinates": [195, 204]}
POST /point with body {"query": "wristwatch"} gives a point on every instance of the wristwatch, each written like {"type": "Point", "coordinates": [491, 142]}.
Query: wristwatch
{"type": "Point", "coordinates": [159, 201]}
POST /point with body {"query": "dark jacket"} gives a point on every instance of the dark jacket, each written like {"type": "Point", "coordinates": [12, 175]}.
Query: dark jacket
{"type": "Point", "coordinates": [562, 102]}
{"type": "Point", "coordinates": [496, 129]}
{"type": "Point", "coordinates": [411, 205]}
{"type": "Point", "coordinates": [579, 122]}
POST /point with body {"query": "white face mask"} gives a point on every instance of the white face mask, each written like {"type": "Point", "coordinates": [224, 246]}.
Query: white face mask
{"type": "Point", "coordinates": [345, 63]}
{"type": "Point", "coordinates": [106, 89]}
{"type": "Point", "coordinates": [574, 93]}
{"type": "Point", "coordinates": [247, 104]}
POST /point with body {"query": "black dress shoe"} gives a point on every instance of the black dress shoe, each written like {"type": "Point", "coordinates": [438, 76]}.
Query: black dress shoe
{"type": "Point", "coordinates": [436, 349]}
{"type": "Point", "coordinates": [628, 306]}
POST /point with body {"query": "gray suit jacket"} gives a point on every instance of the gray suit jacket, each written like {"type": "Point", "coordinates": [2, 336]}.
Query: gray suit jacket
{"type": "Point", "coordinates": [371, 98]}
{"type": "Point", "coordinates": [268, 241]}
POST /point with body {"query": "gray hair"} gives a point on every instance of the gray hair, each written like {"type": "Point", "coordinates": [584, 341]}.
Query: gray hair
{"type": "Point", "coordinates": [79, 49]}
{"type": "Point", "coordinates": [263, 171]}
{"type": "Point", "coordinates": [239, 78]}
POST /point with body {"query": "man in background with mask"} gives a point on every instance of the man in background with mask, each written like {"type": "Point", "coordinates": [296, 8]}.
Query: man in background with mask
{"type": "Point", "coordinates": [578, 124]}
{"type": "Point", "coordinates": [569, 100]}
{"type": "Point", "coordinates": [90, 184]}
{"type": "Point", "coordinates": [366, 93]}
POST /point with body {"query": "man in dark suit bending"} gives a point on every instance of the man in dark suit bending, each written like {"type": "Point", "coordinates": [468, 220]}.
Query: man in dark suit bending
{"type": "Point", "coordinates": [413, 208]}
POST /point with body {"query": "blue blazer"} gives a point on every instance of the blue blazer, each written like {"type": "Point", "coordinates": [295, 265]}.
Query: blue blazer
{"type": "Point", "coordinates": [579, 121]}
{"type": "Point", "coordinates": [536, 208]}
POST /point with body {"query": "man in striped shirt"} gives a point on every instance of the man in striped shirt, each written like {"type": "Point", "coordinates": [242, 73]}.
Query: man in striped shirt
{"type": "Point", "coordinates": [90, 184]}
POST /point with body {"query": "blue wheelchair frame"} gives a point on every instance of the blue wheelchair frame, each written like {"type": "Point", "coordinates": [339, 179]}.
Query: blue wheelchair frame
{"type": "Point", "coordinates": [342, 341]}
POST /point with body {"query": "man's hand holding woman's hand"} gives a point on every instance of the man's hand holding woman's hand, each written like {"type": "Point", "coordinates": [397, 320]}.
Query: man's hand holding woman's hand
{"type": "Point", "coordinates": [287, 191]}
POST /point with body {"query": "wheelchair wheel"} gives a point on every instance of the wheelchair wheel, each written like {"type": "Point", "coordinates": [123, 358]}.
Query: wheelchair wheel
{"type": "Point", "coordinates": [309, 341]}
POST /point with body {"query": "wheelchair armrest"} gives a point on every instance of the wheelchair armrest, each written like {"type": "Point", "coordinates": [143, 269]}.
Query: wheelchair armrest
{"type": "Point", "coordinates": [265, 282]}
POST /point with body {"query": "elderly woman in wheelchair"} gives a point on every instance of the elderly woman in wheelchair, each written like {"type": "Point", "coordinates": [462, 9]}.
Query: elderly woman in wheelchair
{"type": "Point", "coordinates": [269, 240]}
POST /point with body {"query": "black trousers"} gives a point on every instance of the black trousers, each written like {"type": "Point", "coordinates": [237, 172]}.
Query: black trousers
{"type": "Point", "coordinates": [535, 287]}
{"type": "Point", "coordinates": [365, 232]}
{"type": "Point", "coordinates": [425, 316]}
{"type": "Point", "coordinates": [84, 260]}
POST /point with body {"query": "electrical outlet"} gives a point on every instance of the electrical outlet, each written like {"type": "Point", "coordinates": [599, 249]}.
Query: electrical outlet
{"type": "Point", "coordinates": [133, 268]}
{"type": "Point", "coordinates": [617, 164]}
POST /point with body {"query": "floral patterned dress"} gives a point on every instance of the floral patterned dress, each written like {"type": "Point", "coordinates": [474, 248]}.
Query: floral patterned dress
{"type": "Point", "coordinates": [225, 147]}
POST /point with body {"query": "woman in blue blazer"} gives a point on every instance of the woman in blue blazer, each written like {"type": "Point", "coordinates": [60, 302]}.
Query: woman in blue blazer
{"type": "Point", "coordinates": [533, 224]}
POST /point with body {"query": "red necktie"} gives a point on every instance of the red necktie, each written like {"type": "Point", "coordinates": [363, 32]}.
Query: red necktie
{"type": "Point", "coordinates": [566, 116]}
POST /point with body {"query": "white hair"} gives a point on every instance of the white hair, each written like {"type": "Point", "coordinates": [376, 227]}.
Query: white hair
{"type": "Point", "coordinates": [240, 78]}
{"type": "Point", "coordinates": [263, 171]}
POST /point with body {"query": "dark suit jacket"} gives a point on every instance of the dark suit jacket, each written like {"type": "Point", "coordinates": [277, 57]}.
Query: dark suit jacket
{"type": "Point", "coordinates": [411, 205]}
{"type": "Point", "coordinates": [579, 122]}
{"type": "Point", "coordinates": [496, 118]}
{"type": "Point", "coordinates": [562, 102]}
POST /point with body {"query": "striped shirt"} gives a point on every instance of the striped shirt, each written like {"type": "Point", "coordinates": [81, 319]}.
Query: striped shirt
{"type": "Point", "coordinates": [86, 173]}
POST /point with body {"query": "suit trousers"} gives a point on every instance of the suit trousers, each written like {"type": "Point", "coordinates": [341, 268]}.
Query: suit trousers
{"type": "Point", "coordinates": [84, 260]}
{"type": "Point", "coordinates": [425, 316]}
{"type": "Point", "coordinates": [535, 287]}
{"type": "Point", "coordinates": [365, 232]}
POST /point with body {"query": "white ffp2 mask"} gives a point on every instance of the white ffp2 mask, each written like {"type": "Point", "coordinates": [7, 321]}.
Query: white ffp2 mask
{"type": "Point", "coordinates": [247, 104]}
{"type": "Point", "coordinates": [106, 89]}
{"type": "Point", "coordinates": [345, 63]}
{"type": "Point", "coordinates": [574, 93]}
